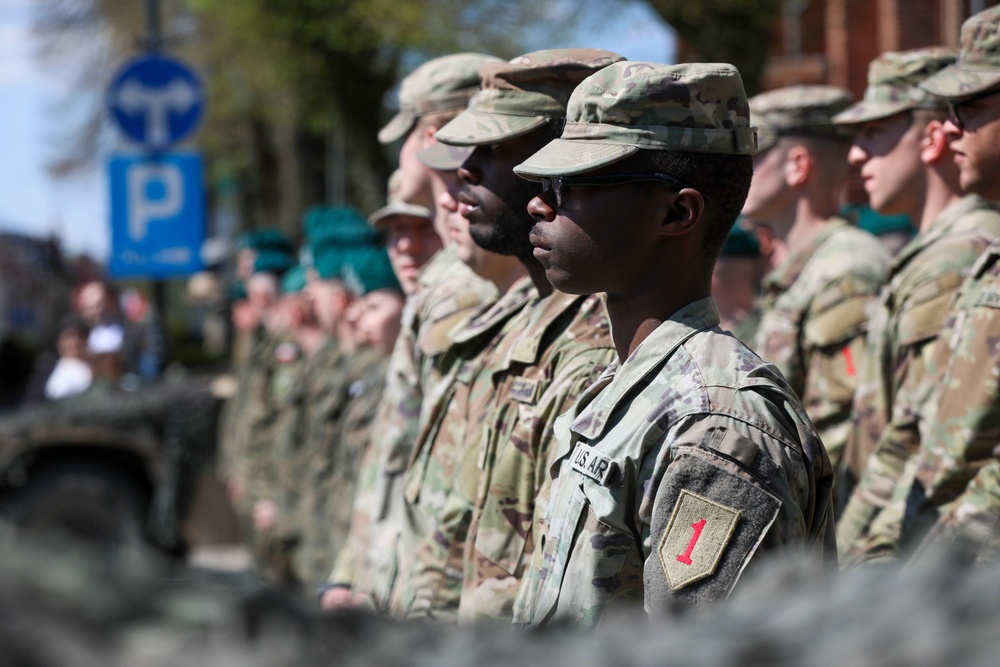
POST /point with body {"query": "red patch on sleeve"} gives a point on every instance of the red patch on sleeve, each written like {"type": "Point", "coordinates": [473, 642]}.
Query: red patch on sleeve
{"type": "Point", "coordinates": [849, 361]}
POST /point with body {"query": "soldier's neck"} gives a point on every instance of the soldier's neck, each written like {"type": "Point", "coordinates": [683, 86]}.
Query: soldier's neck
{"type": "Point", "coordinates": [809, 220]}
{"type": "Point", "coordinates": [939, 195]}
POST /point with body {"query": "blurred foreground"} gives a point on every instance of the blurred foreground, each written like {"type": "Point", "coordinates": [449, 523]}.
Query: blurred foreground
{"type": "Point", "coordinates": [64, 604]}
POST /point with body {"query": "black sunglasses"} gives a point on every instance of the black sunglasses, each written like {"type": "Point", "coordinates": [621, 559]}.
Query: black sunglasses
{"type": "Point", "coordinates": [557, 184]}
{"type": "Point", "coordinates": [953, 107]}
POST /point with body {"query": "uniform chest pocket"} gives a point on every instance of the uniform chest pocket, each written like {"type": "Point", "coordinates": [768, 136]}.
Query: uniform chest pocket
{"type": "Point", "coordinates": [583, 562]}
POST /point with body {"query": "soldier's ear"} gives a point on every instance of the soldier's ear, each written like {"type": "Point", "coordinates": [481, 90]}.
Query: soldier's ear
{"type": "Point", "coordinates": [799, 165]}
{"type": "Point", "coordinates": [934, 144]}
{"type": "Point", "coordinates": [681, 211]}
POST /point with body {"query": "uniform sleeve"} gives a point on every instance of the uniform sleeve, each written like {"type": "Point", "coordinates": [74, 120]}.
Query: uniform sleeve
{"type": "Point", "coordinates": [833, 342]}
{"type": "Point", "coordinates": [730, 493]}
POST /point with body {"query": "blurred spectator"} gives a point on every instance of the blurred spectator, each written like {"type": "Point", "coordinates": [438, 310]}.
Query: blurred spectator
{"type": "Point", "coordinates": [142, 347]}
{"type": "Point", "coordinates": [71, 374]}
{"type": "Point", "coordinates": [98, 309]}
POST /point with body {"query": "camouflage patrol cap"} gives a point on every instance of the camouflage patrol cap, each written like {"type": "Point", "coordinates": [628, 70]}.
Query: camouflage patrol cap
{"type": "Point", "coordinates": [893, 84]}
{"type": "Point", "coordinates": [442, 84]}
{"type": "Point", "coordinates": [522, 95]}
{"type": "Point", "coordinates": [397, 206]}
{"type": "Point", "coordinates": [628, 106]}
{"type": "Point", "coordinates": [802, 111]}
{"type": "Point", "coordinates": [443, 157]}
{"type": "Point", "coordinates": [978, 66]}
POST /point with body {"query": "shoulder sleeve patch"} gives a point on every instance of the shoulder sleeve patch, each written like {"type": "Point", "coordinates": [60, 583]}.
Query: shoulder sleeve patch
{"type": "Point", "coordinates": [697, 534]}
{"type": "Point", "coordinates": [712, 512]}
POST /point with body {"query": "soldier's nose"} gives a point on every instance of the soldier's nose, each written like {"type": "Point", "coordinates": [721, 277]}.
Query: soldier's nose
{"type": "Point", "coordinates": [540, 210]}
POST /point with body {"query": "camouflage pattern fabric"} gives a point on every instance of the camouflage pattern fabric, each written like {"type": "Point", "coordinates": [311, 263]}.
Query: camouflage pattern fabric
{"type": "Point", "coordinates": [450, 294]}
{"type": "Point", "coordinates": [441, 84]}
{"type": "Point", "coordinates": [961, 437]}
{"type": "Point", "coordinates": [654, 110]}
{"type": "Point", "coordinates": [911, 311]}
{"type": "Point", "coordinates": [520, 96]}
{"type": "Point", "coordinates": [972, 522]}
{"type": "Point", "coordinates": [357, 426]}
{"type": "Point", "coordinates": [232, 441]}
{"type": "Point", "coordinates": [448, 426]}
{"type": "Point", "coordinates": [680, 468]}
{"type": "Point", "coordinates": [329, 467]}
{"type": "Point", "coordinates": [978, 67]}
{"type": "Point", "coordinates": [799, 111]}
{"type": "Point", "coordinates": [893, 80]}
{"type": "Point", "coordinates": [813, 319]}
{"type": "Point", "coordinates": [473, 562]}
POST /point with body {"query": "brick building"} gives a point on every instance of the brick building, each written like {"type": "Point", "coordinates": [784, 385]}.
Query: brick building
{"type": "Point", "coordinates": [832, 41]}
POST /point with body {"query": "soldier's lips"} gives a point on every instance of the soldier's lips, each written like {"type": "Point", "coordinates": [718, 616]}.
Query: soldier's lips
{"type": "Point", "coordinates": [467, 209]}
{"type": "Point", "coordinates": [542, 249]}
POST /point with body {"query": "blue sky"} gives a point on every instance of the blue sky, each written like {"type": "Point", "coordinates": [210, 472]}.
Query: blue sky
{"type": "Point", "coordinates": [76, 209]}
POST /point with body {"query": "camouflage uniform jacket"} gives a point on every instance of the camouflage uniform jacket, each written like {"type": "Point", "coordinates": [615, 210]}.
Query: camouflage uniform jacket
{"type": "Point", "coordinates": [955, 469]}
{"type": "Point", "coordinates": [353, 437]}
{"type": "Point", "coordinates": [913, 308]}
{"type": "Point", "coordinates": [814, 313]}
{"type": "Point", "coordinates": [473, 562]}
{"type": "Point", "coordinates": [324, 470]}
{"type": "Point", "coordinates": [250, 378]}
{"type": "Point", "coordinates": [672, 473]}
{"type": "Point", "coordinates": [450, 425]}
{"type": "Point", "coordinates": [450, 295]}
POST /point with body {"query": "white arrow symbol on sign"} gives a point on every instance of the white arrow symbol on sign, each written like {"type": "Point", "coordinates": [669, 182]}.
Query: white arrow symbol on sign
{"type": "Point", "coordinates": [179, 95]}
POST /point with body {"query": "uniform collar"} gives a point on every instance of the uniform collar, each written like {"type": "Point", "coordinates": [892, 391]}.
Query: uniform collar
{"type": "Point", "coordinates": [650, 355]}
{"type": "Point", "coordinates": [542, 314]}
{"type": "Point", "coordinates": [940, 226]}
{"type": "Point", "coordinates": [488, 319]}
{"type": "Point", "coordinates": [785, 275]}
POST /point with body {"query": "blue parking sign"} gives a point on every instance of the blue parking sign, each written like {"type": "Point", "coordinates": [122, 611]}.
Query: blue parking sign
{"type": "Point", "coordinates": [157, 215]}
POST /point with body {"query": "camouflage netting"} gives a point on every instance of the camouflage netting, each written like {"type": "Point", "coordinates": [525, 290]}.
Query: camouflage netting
{"type": "Point", "coordinates": [175, 418]}
{"type": "Point", "coordinates": [67, 606]}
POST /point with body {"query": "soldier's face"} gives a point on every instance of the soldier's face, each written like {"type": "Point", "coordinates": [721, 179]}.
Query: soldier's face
{"type": "Point", "coordinates": [494, 200]}
{"type": "Point", "coordinates": [378, 319]}
{"type": "Point", "coordinates": [976, 146]}
{"type": "Point", "coordinates": [411, 242]}
{"type": "Point", "coordinates": [415, 186]}
{"type": "Point", "coordinates": [887, 151]}
{"type": "Point", "coordinates": [769, 191]}
{"type": "Point", "coordinates": [598, 239]}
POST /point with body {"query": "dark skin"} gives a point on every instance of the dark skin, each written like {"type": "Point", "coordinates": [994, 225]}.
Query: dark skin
{"type": "Point", "coordinates": [641, 243]}
{"type": "Point", "coordinates": [495, 200]}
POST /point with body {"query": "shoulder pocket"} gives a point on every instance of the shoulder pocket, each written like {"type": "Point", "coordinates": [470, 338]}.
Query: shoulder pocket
{"type": "Point", "coordinates": [837, 324]}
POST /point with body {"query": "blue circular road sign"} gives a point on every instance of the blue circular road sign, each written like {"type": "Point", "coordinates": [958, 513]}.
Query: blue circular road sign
{"type": "Point", "coordinates": [156, 100]}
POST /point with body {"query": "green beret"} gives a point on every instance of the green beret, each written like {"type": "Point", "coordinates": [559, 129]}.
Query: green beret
{"type": "Point", "coordinates": [336, 224]}
{"type": "Point", "coordinates": [328, 261]}
{"type": "Point", "coordinates": [368, 269]}
{"type": "Point", "coordinates": [741, 243]}
{"type": "Point", "coordinates": [876, 224]}
{"type": "Point", "coordinates": [265, 239]}
{"type": "Point", "coordinates": [294, 280]}
{"type": "Point", "coordinates": [237, 291]}
{"type": "Point", "coordinates": [272, 261]}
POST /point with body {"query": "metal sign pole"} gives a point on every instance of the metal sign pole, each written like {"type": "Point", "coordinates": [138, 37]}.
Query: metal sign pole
{"type": "Point", "coordinates": [154, 41]}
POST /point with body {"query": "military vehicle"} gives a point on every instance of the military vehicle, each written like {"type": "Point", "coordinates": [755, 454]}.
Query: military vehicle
{"type": "Point", "coordinates": [109, 465]}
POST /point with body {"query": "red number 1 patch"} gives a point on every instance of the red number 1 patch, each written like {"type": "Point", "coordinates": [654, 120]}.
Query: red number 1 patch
{"type": "Point", "coordinates": [686, 556]}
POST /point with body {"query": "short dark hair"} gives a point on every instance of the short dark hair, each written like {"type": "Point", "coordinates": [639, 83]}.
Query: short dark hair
{"type": "Point", "coordinates": [724, 181]}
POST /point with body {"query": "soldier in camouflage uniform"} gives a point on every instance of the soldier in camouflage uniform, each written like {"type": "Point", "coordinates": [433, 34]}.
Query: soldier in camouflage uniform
{"type": "Point", "coordinates": [736, 283]}
{"type": "Point", "coordinates": [901, 149]}
{"type": "Point", "coordinates": [326, 463]}
{"type": "Point", "coordinates": [954, 493]}
{"type": "Point", "coordinates": [249, 420]}
{"type": "Point", "coordinates": [477, 478]}
{"type": "Point", "coordinates": [814, 306]}
{"type": "Point", "coordinates": [690, 459]}
{"type": "Point", "coordinates": [442, 293]}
